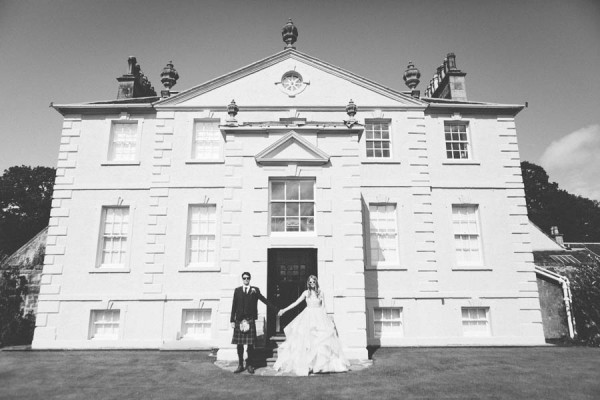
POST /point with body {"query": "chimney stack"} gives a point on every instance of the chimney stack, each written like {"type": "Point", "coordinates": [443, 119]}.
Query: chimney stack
{"type": "Point", "coordinates": [134, 83]}
{"type": "Point", "coordinates": [556, 235]}
{"type": "Point", "coordinates": [448, 82]}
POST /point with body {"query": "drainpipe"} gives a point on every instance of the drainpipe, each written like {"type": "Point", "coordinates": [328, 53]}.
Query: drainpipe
{"type": "Point", "coordinates": [568, 306]}
{"type": "Point", "coordinates": [566, 288]}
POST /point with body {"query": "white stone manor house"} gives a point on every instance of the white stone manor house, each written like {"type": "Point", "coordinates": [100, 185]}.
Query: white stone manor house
{"type": "Point", "coordinates": [408, 207]}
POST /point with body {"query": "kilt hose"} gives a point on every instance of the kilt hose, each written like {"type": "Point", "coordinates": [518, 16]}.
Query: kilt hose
{"type": "Point", "coordinates": [240, 337]}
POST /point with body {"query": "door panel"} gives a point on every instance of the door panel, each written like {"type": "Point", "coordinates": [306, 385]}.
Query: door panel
{"type": "Point", "coordinates": [288, 271]}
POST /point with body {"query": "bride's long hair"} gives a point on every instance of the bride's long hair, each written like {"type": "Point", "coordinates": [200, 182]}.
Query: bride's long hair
{"type": "Point", "coordinates": [316, 290]}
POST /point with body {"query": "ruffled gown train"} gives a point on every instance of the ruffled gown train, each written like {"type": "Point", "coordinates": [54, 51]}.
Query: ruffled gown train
{"type": "Point", "coordinates": [312, 344]}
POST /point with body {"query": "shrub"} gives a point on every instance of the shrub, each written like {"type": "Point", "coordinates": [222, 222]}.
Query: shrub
{"type": "Point", "coordinates": [585, 290]}
{"type": "Point", "coordinates": [15, 328]}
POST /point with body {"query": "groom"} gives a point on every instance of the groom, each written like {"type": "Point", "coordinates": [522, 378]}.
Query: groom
{"type": "Point", "coordinates": [243, 317]}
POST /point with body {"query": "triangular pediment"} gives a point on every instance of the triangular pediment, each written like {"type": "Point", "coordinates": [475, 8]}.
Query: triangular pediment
{"type": "Point", "coordinates": [261, 84]}
{"type": "Point", "coordinates": [292, 149]}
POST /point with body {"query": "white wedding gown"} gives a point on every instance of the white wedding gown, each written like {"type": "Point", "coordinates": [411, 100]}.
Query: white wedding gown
{"type": "Point", "coordinates": [312, 343]}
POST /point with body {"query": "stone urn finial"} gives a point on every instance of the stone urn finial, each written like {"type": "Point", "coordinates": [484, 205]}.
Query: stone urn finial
{"type": "Point", "coordinates": [351, 109]}
{"type": "Point", "coordinates": [232, 110]}
{"type": "Point", "coordinates": [411, 76]}
{"type": "Point", "coordinates": [289, 33]}
{"type": "Point", "coordinates": [169, 75]}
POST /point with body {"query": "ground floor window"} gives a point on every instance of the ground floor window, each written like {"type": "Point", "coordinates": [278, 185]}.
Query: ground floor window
{"type": "Point", "coordinates": [196, 323]}
{"type": "Point", "coordinates": [104, 324]}
{"type": "Point", "coordinates": [476, 321]}
{"type": "Point", "coordinates": [387, 322]}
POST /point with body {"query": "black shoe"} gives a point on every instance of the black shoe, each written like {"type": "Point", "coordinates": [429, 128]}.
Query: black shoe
{"type": "Point", "coordinates": [250, 369]}
{"type": "Point", "coordinates": [239, 369]}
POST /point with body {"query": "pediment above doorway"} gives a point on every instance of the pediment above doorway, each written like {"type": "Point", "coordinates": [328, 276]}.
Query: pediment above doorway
{"type": "Point", "coordinates": [292, 149]}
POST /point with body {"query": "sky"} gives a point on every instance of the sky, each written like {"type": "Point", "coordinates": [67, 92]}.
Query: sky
{"type": "Point", "coordinates": [543, 53]}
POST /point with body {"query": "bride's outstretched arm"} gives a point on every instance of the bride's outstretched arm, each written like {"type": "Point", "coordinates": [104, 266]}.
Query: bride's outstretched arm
{"type": "Point", "coordinates": [294, 304]}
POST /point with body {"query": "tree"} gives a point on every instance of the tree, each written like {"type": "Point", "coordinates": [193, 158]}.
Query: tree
{"type": "Point", "coordinates": [577, 218]}
{"type": "Point", "coordinates": [25, 201]}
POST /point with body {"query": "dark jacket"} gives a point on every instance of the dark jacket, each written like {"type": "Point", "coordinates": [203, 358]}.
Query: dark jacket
{"type": "Point", "coordinates": [244, 305]}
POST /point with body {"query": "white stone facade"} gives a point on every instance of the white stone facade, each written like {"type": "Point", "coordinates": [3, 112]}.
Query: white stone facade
{"type": "Point", "coordinates": [418, 298]}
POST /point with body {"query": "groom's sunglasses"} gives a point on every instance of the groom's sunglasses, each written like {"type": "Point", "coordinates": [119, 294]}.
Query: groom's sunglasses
{"type": "Point", "coordinates": [246, 278]}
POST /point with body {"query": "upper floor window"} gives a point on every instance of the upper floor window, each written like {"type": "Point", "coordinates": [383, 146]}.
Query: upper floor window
{"type": "Point", "coordinates": [123, 141]}
{"type": "Point", "coordinates": [467, 241]}
{"type": "Point", "coordinates": [377, 139]}
{"type": "Point", "coordinates": [292, 205]}
{"type": "Point", "coordinates": [384, 234]}
{"type": "Point", "coordinates": [458, 146]}
{"type": "Point", "coordinates": [202, 228]}
{"type": "Point", "coordinates": [207, 141]}
{"type": "Point", "coordinates": [114, 233]}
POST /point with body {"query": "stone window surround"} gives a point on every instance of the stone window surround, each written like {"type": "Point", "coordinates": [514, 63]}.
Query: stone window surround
{"type": "Point", "coordinates": [123, 266]}
{"type": "Point", "coordinates": [378, 117]}
{"type": "Point", "coordinates": [124, 119]}
{"type": "Point", "coordinates": [474, 266]}
{"type": "Point", "coordinates": [192, 137]}
{"type": "Point", "coordinates": [208, 323]}
{"type": "Point", "coordinates": [457, 119]}
{"type": "Point", "coordinates": [396, 260]}
{"type": "Point", "coordinates": [202, 266]}
{"type": "Point", "coordinates": [399, 320]}
{"type": "Point", "coordinates": [466, 320]}
{"type": "Point", "coordinates": [293, 233]}
{"type": "Point", "coordinates": [95, 266]}
{"type": "Point", "coordinates": [93, 324]}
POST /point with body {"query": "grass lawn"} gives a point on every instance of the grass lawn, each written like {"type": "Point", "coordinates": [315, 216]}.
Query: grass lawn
{"type": "Point", "coordinates": [399, 373]}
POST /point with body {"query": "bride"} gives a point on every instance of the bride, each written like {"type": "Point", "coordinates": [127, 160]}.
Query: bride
{"type": "Point", "coordinates": [311, 344]}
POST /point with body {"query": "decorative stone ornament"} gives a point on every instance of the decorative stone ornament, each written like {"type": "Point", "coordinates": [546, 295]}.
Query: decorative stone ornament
{"type": "Point", "coordinates": [351, 110]}
{"type": "Point", "coordinates": [232, 110]}
{"type": "Point", "coordinates": [289, 33]}
{"type": "Point", "coordinates": [292, 83]}
{"type": "Point", "coordinates": [168, 77]}
{"type": "Point", "coordinates": [411, 76]}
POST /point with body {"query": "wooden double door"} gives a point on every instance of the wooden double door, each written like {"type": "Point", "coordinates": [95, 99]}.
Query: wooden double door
{"type": "Point", "coordinates": [288, 271]}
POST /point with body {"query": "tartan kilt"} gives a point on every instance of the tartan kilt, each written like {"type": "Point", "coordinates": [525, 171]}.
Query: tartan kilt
{"type": "Point", "coordinates": [240, 337]}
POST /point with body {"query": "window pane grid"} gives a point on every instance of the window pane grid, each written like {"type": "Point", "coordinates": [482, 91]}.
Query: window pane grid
{"type": "Point", "coordinates": [196, 323]}
{"type": "Point", "coordinates": [202, 226]}
{"type": "Point", "coordinates": [105, 324]}
{"type": "Point", "coordinates": [114, 235]}
{"type": "Point", "coordinates": [384, 235]}
{"type": "Point", "coordinates": [123, 145]}
{"type": "Point", "coordinates": [475, 321]}
{"type": "Point", "coordinates": [207, 141]}
{"type": "Point", "coordinates": [466, 235]}
{"type": "Point", "coordinates": [292, 206]}
{"type": "Point", "coordinates": [378, 140]}
{"type": "Point", "coordinates": [387, 321]}
{"type": "Point", "coordinates": [457, 141]}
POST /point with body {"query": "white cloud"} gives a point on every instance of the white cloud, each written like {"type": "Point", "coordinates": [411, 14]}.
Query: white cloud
{"type": "Point", "coordinates": [574, 162]}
